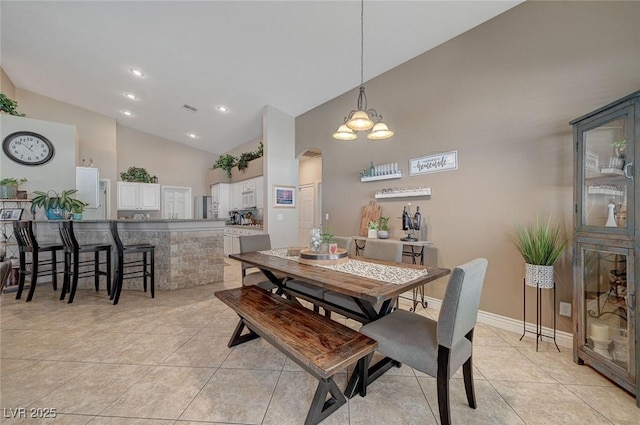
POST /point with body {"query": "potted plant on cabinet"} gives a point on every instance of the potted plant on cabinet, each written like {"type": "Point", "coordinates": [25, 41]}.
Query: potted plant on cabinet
{"type": "Point", "coordinates": [383, 231]}
{"type": "Point", "coordinates": [57, 206]}
{"type": "Point", "coordinates": [373, 229]}
{"type": "Point", "coordinates": [9, 106]}
{"type": "Point", "coordinates": [9, 187]}
{"type": "Point", "coordinates": [226, 162]}
{"type": "Point", "coordinates": [540, 244]}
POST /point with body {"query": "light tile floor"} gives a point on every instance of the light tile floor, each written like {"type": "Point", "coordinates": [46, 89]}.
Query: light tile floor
{"type": "Point", "coordinates": [165, 361]}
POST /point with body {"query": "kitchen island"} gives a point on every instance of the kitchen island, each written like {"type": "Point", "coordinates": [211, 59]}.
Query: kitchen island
{"type": "Point", "coordinates": [189, 253]}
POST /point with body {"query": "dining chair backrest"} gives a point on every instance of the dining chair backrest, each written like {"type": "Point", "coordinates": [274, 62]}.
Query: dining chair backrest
{"type": "Point", "coordinates": [459, 310]}
{"type": "Point", "coordinates": [23, 232]}
{"type": "Point", "coordinates": [68, 238]}
{"type": "Point", "coordinates": [113, 226]}
{"type": "Point", "coordinates": [250, 243]}
{"type": "Point", "coordinates": [384, 251]}
{"type": "Point", "coordinates": [344, 242]}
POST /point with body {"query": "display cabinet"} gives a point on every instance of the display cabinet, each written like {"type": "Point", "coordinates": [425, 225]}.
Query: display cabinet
{"type": "Point", "coordinates": [606, 241]}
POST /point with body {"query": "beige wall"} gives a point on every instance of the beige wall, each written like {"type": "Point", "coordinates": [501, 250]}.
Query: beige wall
{"type": "Point", "coordinates": [7, 87]}
{"type": "Point", "coordinates": [502, 95]}
{"type": "Point", "coordinates": [175, 164]}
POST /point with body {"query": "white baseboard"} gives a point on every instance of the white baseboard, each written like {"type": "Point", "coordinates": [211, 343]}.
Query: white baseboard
{"type": "Point", "coordinates": [563, 339]}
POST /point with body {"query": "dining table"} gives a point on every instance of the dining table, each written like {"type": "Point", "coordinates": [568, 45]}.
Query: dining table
{"type": "Point", "coordinates": [372, 285]}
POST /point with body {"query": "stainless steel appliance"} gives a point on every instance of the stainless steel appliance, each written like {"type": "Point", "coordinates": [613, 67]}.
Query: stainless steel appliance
{"type": "Point", "coordinates": [203, 208]}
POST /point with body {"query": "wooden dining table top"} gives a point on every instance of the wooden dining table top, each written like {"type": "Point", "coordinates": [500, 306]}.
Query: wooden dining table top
{"type": "Point", "coordinates": [365, 288]}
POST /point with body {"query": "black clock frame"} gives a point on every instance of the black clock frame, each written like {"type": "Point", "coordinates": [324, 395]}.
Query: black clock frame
{"type": "Point", "coordinates": [7, 140]}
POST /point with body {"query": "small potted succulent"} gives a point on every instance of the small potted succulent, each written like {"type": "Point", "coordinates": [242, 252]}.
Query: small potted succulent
{"type": "Point", "coordinates": [77, 208]}
{"type": "Point", "coordinates": [383, 231]}
{"type": "Point", "coordinates": [373, 229]}
{"type": "Point", "coordinates": [9, 187]}
{"type": "Point", "coordinates": [326, 240]}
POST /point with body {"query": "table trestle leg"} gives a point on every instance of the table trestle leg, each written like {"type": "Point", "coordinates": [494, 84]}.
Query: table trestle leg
{"type": "Point", "coordinates": [321, 407]}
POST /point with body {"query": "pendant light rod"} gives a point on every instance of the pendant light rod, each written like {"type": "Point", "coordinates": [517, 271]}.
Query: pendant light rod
{"type": "Point", "coordinates": [362, 119]}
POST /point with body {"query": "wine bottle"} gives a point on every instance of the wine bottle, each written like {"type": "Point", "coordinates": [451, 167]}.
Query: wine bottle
{"type": "Point", "coordinates": [406, 221]}
{"type": "Point", "coordinates": [372, 170]}
{"type": "Point", "coordinates": [417, 218]}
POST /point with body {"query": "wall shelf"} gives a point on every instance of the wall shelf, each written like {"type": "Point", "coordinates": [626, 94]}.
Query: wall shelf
{"type": "Point", "coordinates": [424, 192]}
{"type": "Point", "coordinates": [397, 175]}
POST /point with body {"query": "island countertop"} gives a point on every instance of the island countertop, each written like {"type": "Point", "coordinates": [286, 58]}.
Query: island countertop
{"type": "Point", "coordinates": [188, 253]}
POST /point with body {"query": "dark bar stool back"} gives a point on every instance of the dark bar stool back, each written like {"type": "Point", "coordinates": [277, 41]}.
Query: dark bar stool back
{"type": "Point", "coordinates": [27, 243]}
{"type": "Point", "coordinates": [75, 268]}
{"type": "Point", "coordinates": [144, 268]}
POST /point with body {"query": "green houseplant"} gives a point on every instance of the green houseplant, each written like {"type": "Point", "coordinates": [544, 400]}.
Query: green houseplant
{"type": "Point", "coordinates": [226, 162]}
{"type": "Point", "coordinates": [372, 229]}
{"type": "Point", "coordinates": [245, 157]}
{"type": "Point", "coordinates": [9, 187]}
{"type": "Point", "coordinates": [540, 244]}
{"type": "Point", "coordinates": [77, 208]}
{"type": "Point", "coordinates": [326, 239]}
{"type": "Point", "coordinates": [57, 206]}
{"type": "Point", "coordinates": [9, 106]}
{"type": "Point", "coordinates": [136, 174]}
{"type": "Point", "coordinates": [383, 231]}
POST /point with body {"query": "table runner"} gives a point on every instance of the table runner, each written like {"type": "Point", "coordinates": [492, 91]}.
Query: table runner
{"type": "Point", "coordinates": [384, 273]}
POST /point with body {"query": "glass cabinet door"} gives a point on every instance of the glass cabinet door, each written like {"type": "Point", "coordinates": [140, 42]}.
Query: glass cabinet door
{"type": "Point", "coordinates": [608, 299]}
{"type": "Point", "coordinates": [605, 195]}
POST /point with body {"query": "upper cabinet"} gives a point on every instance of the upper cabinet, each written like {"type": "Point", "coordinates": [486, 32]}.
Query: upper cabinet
{"type": "Point", "coordinates": [88, 186]}
{"type": "Point", "coordinates": [138, 196]}
{"type": "Point", "coordinates": [605, 157]}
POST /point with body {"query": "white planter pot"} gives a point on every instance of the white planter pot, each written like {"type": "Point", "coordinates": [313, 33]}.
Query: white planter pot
{"type": "Point", "coordinates": [372, 233]}
{"type": "Point", "coordinates": [538, 276]}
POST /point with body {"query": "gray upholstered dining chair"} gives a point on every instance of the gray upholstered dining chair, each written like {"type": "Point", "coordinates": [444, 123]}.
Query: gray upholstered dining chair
{"type": "Point", "coordinates": [439, 348]}
{"type": "Point", "coordinates": [250, 243]}
{"type": "Point", "coordinates": [344, 242]}
{"type": "Point", "coordinates": [374, 250]}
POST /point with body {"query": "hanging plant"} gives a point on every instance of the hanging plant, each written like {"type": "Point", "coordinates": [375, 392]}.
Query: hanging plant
{"type": "Point", "coordinates": [226, 162]}
{"type": "Point", "coordinates": [136, 174]}
{"type": "Point", "coordinates": [245, 157]}
{"type": "Point", "coordinates": [9, 106]}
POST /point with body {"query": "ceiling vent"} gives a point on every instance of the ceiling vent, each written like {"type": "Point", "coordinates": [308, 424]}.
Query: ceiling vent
{"type": "Point", "coordinates": [190, 108]}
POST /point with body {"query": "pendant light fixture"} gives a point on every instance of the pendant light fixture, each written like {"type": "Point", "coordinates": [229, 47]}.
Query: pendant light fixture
{"type": "Point", "coordinates": [362, 119]}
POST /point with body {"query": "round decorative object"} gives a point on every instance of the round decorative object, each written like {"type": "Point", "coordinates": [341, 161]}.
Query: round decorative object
{"type": "Point", "coordinates": [28, 148]}
{"type": "Point", "coordinates": [538, 276]}
{"type": "Point", "coordinates": [308, 256]}
{"type": "Point", "coordinates": [383, 234]}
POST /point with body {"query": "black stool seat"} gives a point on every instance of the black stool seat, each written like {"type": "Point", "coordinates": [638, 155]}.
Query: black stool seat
{"type": "Point", "coordinates": [144, 268]}
{"type": "Point", "coordinates": [27, 243]}
{"type": "Point", "coordinates": [73, 263]}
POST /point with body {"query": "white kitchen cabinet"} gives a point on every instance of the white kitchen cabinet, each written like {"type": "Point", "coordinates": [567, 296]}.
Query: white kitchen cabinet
{"type": "Point", "coordinates": [138, 196]}
{"type": "Point", "coordinates": [221, 195]}
{"type": "Point", "coordinates": [88, 186]}
{"type": "Point", "coordinates": [236, 195]}
{"type": "Point", "coordinates": [259, 192]}
{"type": "Point", "coordinates": [232, 237]}
{"type": "Point", "coordinates": [249, 185]}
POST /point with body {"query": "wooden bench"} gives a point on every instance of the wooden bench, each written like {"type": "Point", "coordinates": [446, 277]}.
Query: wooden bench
{"type": "Point", "coordinates": [318, 344]}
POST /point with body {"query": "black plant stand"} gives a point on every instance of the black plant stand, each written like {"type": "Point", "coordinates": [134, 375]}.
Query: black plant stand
{"type": "Point", "coordinates": [538, 331]}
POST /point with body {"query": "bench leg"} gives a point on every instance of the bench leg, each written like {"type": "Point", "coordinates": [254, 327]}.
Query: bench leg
{"type": "Point", "coordinates": [364, 375]}
{"type": "Point", "coordinates": [237, 338]}
{"type": "Point", "coordinates": [320, 407]}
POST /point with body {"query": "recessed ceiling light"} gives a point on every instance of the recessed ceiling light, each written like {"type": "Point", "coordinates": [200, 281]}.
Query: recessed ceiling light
{"type": "Point", "coordinates": [131, 96]}
{"type": "Point", "coordinates": [192, 135]}
{"type": "Point", "coordinates": [222, 108]}
{"type": "Point", "coordinates": [136, 72]}
{"type": "Point", "coordinates": [127, 113]}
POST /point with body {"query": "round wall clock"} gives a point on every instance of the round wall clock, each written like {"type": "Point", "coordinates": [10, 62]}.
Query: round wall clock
{"type": "Point", "coordinates": [28, 148]}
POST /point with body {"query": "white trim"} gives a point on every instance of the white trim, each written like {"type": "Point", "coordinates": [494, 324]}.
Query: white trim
{"type": "Point", "coordinates": [563, 339]}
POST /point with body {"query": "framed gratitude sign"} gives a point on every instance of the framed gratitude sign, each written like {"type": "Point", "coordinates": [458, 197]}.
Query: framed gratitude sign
{"type": "Point", "coordinates": [434, 163]}
{"type": "Point", "coordinates": [284, 196]}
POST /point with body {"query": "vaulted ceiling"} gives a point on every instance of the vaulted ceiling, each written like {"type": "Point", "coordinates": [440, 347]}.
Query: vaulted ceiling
{"type": "Point", "coordinates": [293, 55]}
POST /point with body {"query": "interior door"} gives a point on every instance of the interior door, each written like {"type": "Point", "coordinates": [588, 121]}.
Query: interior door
{"type": "Point", "coordinates": [306, 217]}
{"type": "Point", "coordinates": [176, 202]}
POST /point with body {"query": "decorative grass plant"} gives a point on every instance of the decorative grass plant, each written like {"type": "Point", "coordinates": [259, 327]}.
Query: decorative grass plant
{"type": "Point", "coordinates": [540, 243]}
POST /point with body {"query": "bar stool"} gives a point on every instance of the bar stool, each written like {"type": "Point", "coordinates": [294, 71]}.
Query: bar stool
{"type": "Point", "coordinates": [138, 268]}
{"type": "Point", "coordinates": [73, 264]}
{"type": "Point", "coordinates": [27, 243]}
